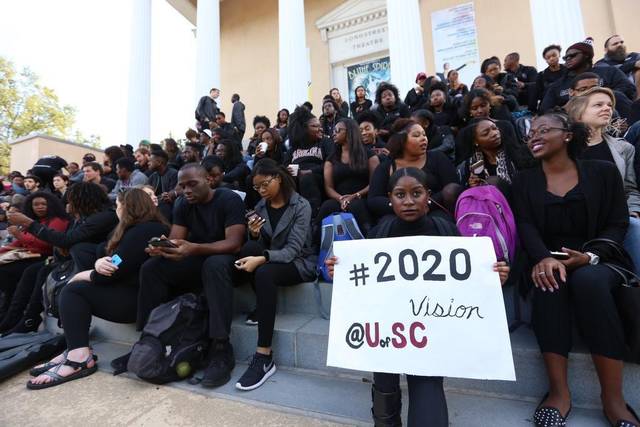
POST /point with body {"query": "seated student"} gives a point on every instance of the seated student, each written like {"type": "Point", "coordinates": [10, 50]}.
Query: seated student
{"type": "Point", "coordinates": [260, 123]}
{"type": "Point", "coordinates": [501, 83]}
{"type": "Point", "coordinates": [192, 152]}
{"type": "Point", "coordinates": [111, 156]}
{"type": "Point", "coordinates": [525, 80]}
{"type": "Point", "coordinates": [560, 205]}
{"type": "Point", "coordinates": [282, 123]}
{"type": "Point", "coordinates": [594, 108]}
{"type": "Point", "coordinates": [60, 185]}
{"type": "Point", "coordinates": [408, 148]}
{"type": "Point", "coordinates": [457, 89]}
{"type": "Point", "coordinates": [208, 231]}
{"type": "Point", "coordinates": [444, 112]}
{"type": "Point", "coordinates": [108, 291]}
{"type": "Point", "coordinates": [274, 149]}
{"type": "Point", "coordinates": [92, 172]}
{"type": "Point", "coordinates": [440, 137]}
{"type": "Point", "coordinates": [552, 73]}
{"type": "Point", "coordinates": [477, 105]}
{"type": "Point", "coordinates": [32, 184]}
{"type": "Point", "coordinates": [128, 176]}
{"type": "Point", "coordinates": [163, 180]}
{"type": "Point", "coordinates": [388, 107]}
{"type": "Point", "coordinates": [502, 104]}
{"type": "Point", "coordinates": [343, 106]}
{"type": "Point", "coordinates": [47, 210]}
{"type": "Point", "coordinates": [346, 176]}
{"type": "Point", "coordinates": [305, 160]}
{"type": "Point", "coordinates": [578, 59]}
{"type": "Point", "coordinates": [585, 81]}
{"type": "Point", "coordinates": [492, 158]}
{"type": "Point", "coordinates": [142, 156]}
{"type": "Point", "coordinates": [235, 169]}
{"type": "Point", "coordinates": [330, 115]}
{"type": "Point", "coordinates": [92, 221]}
{"type": "Point", "coordinates": [368, 123]}
{"type": "Point", "coordinates": [417, 97]}
{"type": "Point", "coordinates": [409, 194]}
{"type": "Point", "coordinates": [279, 253]}
{"type": "Point", "coordinates": [173, 151]}
{"type": "Point", "coordinates": [617, 56]}
{"type": "Point", "coordinates": [361, 103]}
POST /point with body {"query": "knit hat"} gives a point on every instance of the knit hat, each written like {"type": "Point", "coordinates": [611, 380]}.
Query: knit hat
{"type": "Point", "coordinates": [420, 75]}
{"type": "Point", "coordinates": [585, 46]}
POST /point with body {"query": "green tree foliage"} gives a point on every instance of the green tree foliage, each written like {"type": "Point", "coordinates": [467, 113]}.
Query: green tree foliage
{"type": "Point", "coordinates": [27, 106]}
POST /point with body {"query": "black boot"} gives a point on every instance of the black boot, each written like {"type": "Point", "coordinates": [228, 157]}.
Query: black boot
{"type": "Point", "coordinates": [11, 318]}
{"type": "Point", "coordinates": [386, 408]}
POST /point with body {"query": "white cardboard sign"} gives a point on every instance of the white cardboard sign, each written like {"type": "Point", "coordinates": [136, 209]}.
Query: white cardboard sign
{"type": "Point", "coordinates": [419, 305]}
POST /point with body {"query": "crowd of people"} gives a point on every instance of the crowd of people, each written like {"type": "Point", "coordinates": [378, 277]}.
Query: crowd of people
{"type": "Point", "coordinates": [559, 144]}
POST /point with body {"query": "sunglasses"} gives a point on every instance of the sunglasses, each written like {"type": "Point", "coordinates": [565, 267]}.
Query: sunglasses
{"type": "Point", "coordinates": [571, 55]}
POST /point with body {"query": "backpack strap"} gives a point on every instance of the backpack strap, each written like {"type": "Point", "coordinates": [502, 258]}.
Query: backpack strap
{"type": "Point", "coordinates": [352, 229]}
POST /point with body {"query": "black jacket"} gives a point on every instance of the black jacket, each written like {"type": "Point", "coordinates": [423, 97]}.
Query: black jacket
{"type": "Point", "coordinates": [545, 79]}
{"type": "Point", "coordinates": [163, 183]}
{"type": "Point", "coordinates": [237, 118]}
{"type": "Point", "coordinates": [387, 117]}
{"type": "Point", "coordinates": [416, 101]}
{"type": "Point", "coordinates": [627, 66]}
{"type": "Point", "coordinates": [611, 77]}
{"type": "Point", "coordinates": [207, 109]}
{"type": "Point", "coordinates": [607, 214]}
{"type": "Point", "coordinates": [92, 229]}
{"type": "Point", "coordinates": [356, 108]}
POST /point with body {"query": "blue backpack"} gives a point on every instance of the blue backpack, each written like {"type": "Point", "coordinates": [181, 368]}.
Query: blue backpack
{"type": "Point", "coordinates": [335, 228]}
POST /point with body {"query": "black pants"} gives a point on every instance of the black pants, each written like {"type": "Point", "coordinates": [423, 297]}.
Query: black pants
{"type": "Point", "coordinates": [266, 280]}
{"type": "Point", "coordinates": [427, 402]}
{"type": "Point", "coordinates": [358, 208]}
{"type": "Point", "coordinates": [80, 300]}
{"type": "Point", "coordinates": [162, 279]}
{"type": "Point", "coordinates": [311, 187]}
{"type": "Point", "coordinates": [23, 291]}
{"type": "Point", "coordinates": [10, 275]}
{"type": "Point", "coordinates": [587, 295]}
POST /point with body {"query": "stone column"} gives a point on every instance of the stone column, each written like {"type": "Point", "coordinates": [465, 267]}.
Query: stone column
{"type": "Point", "coordinates": [406, 50]}
{"type": "Point", "coordinates": [207, 47]}
{"type": "Point", "coordinates": [555, 22]}
{"type": "Point", "coordinates": [139, 92]}
{"type": "Point", "coordinates": [293, 59]}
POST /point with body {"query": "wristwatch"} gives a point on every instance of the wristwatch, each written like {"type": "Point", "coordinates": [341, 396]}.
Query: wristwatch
{"type": "Point", "coordinates": [593, 258]}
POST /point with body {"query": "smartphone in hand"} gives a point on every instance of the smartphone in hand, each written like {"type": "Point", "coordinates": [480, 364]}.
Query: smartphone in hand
{"type": "Point", "coordinates": [158, 242]}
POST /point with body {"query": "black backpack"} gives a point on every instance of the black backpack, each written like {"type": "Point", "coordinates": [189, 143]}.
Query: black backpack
{"type": "Point", "coordinates": [55, 282]}
{"type": "Point", "coordinates": [174, 342]}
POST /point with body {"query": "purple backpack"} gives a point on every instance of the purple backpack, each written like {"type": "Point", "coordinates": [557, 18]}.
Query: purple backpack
{"type": "Point", "coordinates": [483, 211]}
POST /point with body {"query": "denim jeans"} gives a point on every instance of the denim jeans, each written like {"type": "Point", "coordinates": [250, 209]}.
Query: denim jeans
{"type": "Point", "coordinates": [632, 241]}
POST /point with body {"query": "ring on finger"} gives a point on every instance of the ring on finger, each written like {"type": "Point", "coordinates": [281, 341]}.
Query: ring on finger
{"type": "Point", "coordinates": [542, 273]}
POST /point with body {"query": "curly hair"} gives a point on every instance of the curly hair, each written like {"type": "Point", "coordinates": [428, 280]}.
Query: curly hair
{"type": "Point", "coordinates": [114, 153]}
{"type": "Point", "coordinates": [55, 208]}
{"type": "Point", "coordinates": [86, 198]}
{"type": "Point", "coordinates": [297, 130]}
{"type": "Point", "coordinates": [386, 86]}
{"type": "Point", "coordinates": [261, 119]}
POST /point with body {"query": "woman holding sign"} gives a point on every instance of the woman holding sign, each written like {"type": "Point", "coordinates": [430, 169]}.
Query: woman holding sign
{"type": "Point", "coordinates": [560, 205]}
{"type": "Point", "coordinates": [408, 195]}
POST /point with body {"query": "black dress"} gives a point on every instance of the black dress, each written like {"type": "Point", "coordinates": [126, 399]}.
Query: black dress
{"type": "Point", "coordinates": [565, 220]}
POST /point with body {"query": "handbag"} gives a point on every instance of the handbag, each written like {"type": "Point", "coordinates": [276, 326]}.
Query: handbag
{"type": "Point", "coordinates": [56, 281]}
{"type": "Point", "coordinates": [626, 295]}
{"type": "Point", "coordinates": [17, 255]}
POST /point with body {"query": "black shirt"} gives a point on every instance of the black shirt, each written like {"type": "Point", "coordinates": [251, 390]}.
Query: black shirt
{"type": "Point", "coordinates": [207, 221]}
{"type": "Point", "coordinates": [275, 214]}
{"type": "Point", "coordinates": [54, 163]}
{"type": "Point", "coordinates": [347, 180]}
{"type": "Point", "coordinates": [565, 220]}
{"type": "Point", "coordinates": [422, 227]}
{"type": "Point", "coordinates": [599, 151]}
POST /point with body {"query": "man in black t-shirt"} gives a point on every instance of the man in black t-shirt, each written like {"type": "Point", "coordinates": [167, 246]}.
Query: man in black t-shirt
{"type": "Point", "coordinates": [208, 230]}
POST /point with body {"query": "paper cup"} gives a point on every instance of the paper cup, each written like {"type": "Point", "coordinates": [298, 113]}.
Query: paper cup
{"type": "Point", "coordinates": [263, 147]}
{"type": "Point", "coordinates": [294, 169]}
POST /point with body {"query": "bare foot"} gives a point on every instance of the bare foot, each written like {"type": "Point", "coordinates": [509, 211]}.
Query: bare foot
{"type": "Point", "coordinates": [78, 355]}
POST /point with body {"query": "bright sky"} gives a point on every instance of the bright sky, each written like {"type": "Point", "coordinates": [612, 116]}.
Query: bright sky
{"type": "Point", "coordinates": [80, 48]}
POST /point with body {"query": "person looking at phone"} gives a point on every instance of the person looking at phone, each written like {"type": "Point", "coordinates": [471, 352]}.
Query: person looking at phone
{"type": "Point", "coordinates": [559, 205]}
{"type": "Point", "coordinates": [109, 290]}
{"type": "Point", "coordinates": [279, 253]}
{"type": "Point", "coordinates": [208, 231]}
{"type": "Point", "coordinates": [494, 160]}
{"type": "Point", "coordinates": [408, 192]}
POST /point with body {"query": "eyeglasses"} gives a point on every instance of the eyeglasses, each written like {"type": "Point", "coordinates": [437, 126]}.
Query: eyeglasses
{"type": "Point", "coordinates": [264, 184]}
{"type": "Point", "coordinates": [571, 55]}
{"type": "Point", "coordinates": [338, 130]}
{"type": "Point", "coordinates": [542, 131]}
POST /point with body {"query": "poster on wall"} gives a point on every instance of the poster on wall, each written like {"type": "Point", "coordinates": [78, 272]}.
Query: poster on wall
{"type": "Point", "coordinates": [455, 41]}
{"type": "Point", "coordinates": [368, 74]}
